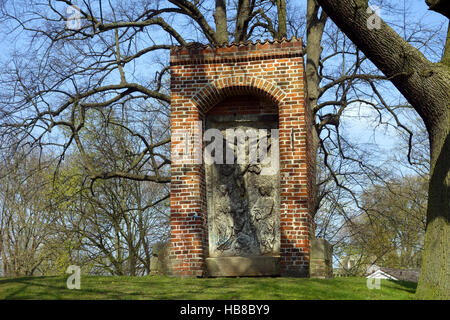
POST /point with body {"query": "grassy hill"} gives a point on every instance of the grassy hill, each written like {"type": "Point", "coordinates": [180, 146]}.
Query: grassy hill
{"type": "Point", "coordinates": [160, 287]}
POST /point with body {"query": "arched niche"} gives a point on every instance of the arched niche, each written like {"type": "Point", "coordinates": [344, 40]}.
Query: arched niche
{"type": "Point", "coordinates": [243, 202]}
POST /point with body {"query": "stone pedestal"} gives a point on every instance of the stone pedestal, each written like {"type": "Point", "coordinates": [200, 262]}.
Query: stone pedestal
{"type": "Point", "coordinates": [243, 266]}
{"type": "Point", "coordinates": [321, 264]}
{"type": "Point", "coordinates": [159, 260]}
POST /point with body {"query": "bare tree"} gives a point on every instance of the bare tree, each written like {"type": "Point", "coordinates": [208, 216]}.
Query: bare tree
{"type": "Point", "coordinates": [95, 71]}
{"type": "Point", "coordinates": [426, 86]}
{"type": "Point", "coordinates": [25, 219]}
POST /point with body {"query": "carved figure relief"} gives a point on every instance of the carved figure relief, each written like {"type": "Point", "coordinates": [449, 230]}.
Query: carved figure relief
{"type": "Point", "coordinates": [263, 219]}
{"type": "Point", "coordinates": [243, 204]}
{"type": "Point", "coordinates": [223, 223]}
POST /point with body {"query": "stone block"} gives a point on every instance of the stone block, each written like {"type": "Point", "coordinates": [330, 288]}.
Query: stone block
{"type": "Point", "coordinates": [321, 249]}
{"type": "Point", "coordinates": [243, 266]}
{"type": "Point", "coordinates": [321, 264]}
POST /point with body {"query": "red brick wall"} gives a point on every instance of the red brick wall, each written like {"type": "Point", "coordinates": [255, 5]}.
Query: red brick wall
{"type": "Point", "coordinates": [202, 77]}
{"type": "Point", "coordinates": [244, 104]}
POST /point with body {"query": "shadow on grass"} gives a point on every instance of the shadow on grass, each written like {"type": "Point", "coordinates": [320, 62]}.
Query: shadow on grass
{"type": "Point", "coordinates": [52, 287]}
{"type": "Point", "coordinates": [23, 287]}
{"type": "Point", "coordinates": [168, 288]}
{"type": "Point", "coordinates": [407, 286]}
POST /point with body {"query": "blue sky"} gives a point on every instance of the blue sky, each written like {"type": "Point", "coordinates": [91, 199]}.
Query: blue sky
{"type": "Point", "coordinates": [358, 120]}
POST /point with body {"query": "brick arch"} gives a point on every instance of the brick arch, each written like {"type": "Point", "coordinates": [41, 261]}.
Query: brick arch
{"type": "Point", "coordinates": [219, 89]}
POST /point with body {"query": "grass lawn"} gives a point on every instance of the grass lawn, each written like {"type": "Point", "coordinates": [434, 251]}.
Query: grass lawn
{"type": "Point", "coordinates": [160, 288]}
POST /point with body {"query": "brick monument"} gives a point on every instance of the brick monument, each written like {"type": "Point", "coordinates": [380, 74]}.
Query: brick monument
{"type": "Point", "coordinates": [231, 217]}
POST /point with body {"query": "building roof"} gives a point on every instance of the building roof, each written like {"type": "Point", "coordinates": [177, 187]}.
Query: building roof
{"type": "Point", "coordinates": [202, 46]}
{"type": "Point", "coordinates": [411, 275]}
{"type": "Point", "coordinates": [198, 53]}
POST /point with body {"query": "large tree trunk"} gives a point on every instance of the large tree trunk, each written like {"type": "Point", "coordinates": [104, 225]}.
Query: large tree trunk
{"type": "Point", "coordinates": [281, 11]}
{"type": "Point", "coordinates": [426, 86]}
{"type": "Point", "coordinates": [220, 18]}
{"type": "Point", "coordinates": [242, 19]}
{"type": "Point", "coordinates": [441, 6]}
{"type": "Point", "coordinates": [435, 276]}
{"type": "Point", "coordinates": [314, 31]}
{"type": "Point", "coordinates": [132, 261]}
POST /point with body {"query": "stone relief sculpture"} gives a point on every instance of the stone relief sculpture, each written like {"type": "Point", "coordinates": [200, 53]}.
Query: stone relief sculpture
{"type": "Point", "coordinates": [243, 206]}
{"type": "Point", "coordinates": [263, 219]}
{"type": "Point", "coordinates": [223, 220]}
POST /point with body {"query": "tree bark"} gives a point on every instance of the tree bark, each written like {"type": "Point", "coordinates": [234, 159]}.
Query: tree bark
{"type": "Point", "coordinates": [242, 20]}
{"type": "Point", "coordinates": [4, 258]}
{"type": "Point", "coordinates": [282, 27]}
{"type": "Point", "coordinates": [132, 262]}
{"type": "Point", "coordinates": [441, 6]}
{"type": "Point", "coordinates": [446, 56]}
{"type": "Point", "coordinates": [314, 31]}
{"type": "Point", "coordinates": [220, 18]}
{"type": "Point", "coordinates": [426, 86]}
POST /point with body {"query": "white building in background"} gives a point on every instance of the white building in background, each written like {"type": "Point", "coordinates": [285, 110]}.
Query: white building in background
{"type": "Point", "coordinates": [376, 272]}
{"type": "Point", "coordinates": [352, 263]}
{"type": "Point", "coordinates": [379, 274]}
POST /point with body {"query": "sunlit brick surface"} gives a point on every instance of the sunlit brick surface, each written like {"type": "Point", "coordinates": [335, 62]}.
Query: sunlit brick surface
{"type": "Point", "coordinates": [203, 77]}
